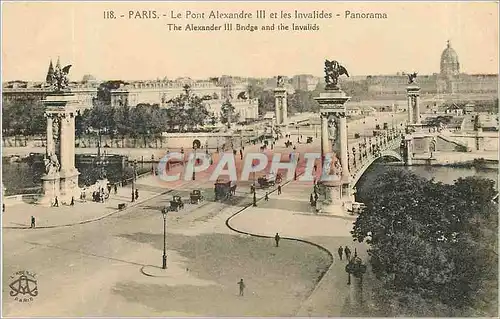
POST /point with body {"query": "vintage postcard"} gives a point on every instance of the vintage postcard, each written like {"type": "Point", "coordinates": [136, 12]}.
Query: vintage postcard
{"type": "Point", "coordinates": [261, 159]}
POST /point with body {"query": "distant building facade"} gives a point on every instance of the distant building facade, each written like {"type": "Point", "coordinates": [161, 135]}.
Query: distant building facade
{"type": "Point", "coordinates": [20, 90]}
{"type": "Point", "coordinates": [305, 82]}
{"type": "Point", "coordinates": [448, 81]}
{"type": "Point", "coordinates": [85, 91]}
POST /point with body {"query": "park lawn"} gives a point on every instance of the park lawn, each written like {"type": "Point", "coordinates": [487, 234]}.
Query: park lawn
{"type": "Point", "coordinates": [277, 279]}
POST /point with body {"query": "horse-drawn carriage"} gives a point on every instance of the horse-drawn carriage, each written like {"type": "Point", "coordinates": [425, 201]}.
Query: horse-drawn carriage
{"type": "Point", "coordinates": [269, 180]}
{"type": "Point", "coordinates": [196, 196]}
{"type": "Point", "coordinates": [176, 203]}
{"type": "Point", "coordinates": [224, 189]}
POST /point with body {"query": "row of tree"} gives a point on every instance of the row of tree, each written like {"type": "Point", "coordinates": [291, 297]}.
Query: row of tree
{"type": "Point", "coordinates": [184, 112]}
{"type": "Point", "coordinates": [432, 244]}
{"type": "Point", "coordinates": [23, 117]}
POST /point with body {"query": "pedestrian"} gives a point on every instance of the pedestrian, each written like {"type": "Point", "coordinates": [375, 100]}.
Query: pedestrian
{"type": "Point", "coordinates": [347, 252]}
{"type": "Point", "coordinates": [266, 198]}
{"type": "Point", "coordinates": [116, 189]}
{"type": "Point", "coordinates": [279, 189]}
{"type": "Point", "coordinates": [136, 194]}
{"type": "Point", "coordinates": [242, 286]}
{"type": "Point", "coordinates": [109, 189]}
{"type": "Point", "coordinates": [33, 222]}
{"type": "Point", "coordinates": [3, 207]}
{"type": "Point", "coordinates": [72, 201]}
{"type": "Point", "coordinates": [341, 250]}
{"type": "Point", "coordinates": [56, 202]}
{"type": "Point", "coordinates": [277, 239]}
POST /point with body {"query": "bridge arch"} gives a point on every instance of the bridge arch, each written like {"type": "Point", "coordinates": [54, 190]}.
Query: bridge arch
{"type": "Point", "coordinates": [386, 153]}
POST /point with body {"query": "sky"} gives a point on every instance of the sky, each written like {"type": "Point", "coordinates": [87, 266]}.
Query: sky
{"type": "Point", "coordinates": [410, 39]}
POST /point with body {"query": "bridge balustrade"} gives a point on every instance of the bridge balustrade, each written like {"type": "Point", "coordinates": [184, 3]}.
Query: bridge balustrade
{"type": "Point", "coordinates": [375, 152]}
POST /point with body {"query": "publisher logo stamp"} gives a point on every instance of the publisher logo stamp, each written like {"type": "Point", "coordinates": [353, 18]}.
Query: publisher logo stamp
{"type": "Point", "coordinates": [23, 286]}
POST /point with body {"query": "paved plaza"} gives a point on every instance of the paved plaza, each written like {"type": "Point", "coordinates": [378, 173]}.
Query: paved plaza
{"type": "Point", "coordinates": [111, 266]}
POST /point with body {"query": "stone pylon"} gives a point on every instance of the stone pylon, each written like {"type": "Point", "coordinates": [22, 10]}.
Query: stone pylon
{"type": "Point", "coordinates": [413, 96]}
{"type": "Point", "coordinates": [334, 142]}
{"type": "Point", "coordinates": [280, 106]}
{"type": "Point", "coordinates": [61, 176]}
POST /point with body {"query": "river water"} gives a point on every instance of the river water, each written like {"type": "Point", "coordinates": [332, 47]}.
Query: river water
{"type": "Point", "coordinates": [444, 174]}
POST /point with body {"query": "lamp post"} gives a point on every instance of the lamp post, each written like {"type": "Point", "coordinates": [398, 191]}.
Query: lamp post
{"type": "Point", "coordinates": [152, 164]}
{"type": "Point", "coordinates": [164, 212]}
{"type": "Point", "coordinates": [133, 180]}
{"type": "Point", "coordinates": [254, 199]}
{"type": "Point", "coordinates": [194, 164]}
{"type": "Point", "coordinates": [298, 134]}
{"type": "Point", "coordinates": [356, 268]}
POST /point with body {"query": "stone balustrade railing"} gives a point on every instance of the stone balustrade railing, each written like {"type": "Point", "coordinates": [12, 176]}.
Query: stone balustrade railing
{"type": "Point", "coordinates": [15, 199]}
{"type": "Point", "coordinates": [366, 154]}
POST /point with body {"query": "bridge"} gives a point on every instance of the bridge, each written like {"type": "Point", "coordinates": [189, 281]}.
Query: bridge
{"type": "Point", "coordinates": [390, 148]}
{"type": "Point", "coordinates": [364, 151]}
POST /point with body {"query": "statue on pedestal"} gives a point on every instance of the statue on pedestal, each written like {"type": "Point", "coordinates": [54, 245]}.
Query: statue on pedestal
{"type": "Point", "coordinates": [59, 82]}
{"type": "Point", "coordinates": [280, 81]}
{"type": "Point", "coordinates": [412, 77]}
{"type": "Point", "coordinates": [333, 70]}
{"type": "Point", "coordinates": [52, 165]}
{"type": "Point", "coordinates": [332, 129]}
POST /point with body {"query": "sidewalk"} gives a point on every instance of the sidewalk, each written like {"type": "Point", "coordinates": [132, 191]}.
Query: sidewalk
{"type": "Point", "coordinates": [18, 215]}
{"type": "Point", "coordinates": [288, 215]}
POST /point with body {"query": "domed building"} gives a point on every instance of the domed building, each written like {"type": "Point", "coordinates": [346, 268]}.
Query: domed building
{"type": "Point", "coordinates": [449, 62]}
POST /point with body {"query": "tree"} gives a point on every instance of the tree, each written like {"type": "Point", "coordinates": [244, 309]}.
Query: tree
{"type": "Point", "coordinates": [228, 114]}
{"type": "Point", "coordinates": [104, 90]}
{"type": "Point", "coordinates": [123, 120]}
{"type": "Point", "coordinates": [143, 121]}
{"type": "Point", "coordinates": [302, 101]}
{"type": "Point", "coordinates": [266, 102]}
{"type": "Point", "coordinates": [425, 237]}
{"type": "Point", "coordinates": [82, 122]}
{"type": "Point", "coordinates": [254, 90]}
{"type": "Point", "coordinates": [23, 116]}
{"type": "Point", "coordinates": [187, 111]}
{"type": "Point", "coordinates": [102, 118]}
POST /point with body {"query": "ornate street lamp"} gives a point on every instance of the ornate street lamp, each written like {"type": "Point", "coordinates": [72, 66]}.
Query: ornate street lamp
{"type": "Point", "coordinates": [133, 180]}
{"type": "Point", "coordinates": [356, 268]}
{"type": "Point", "coordinates": [152, 166]}
{"type": "Point", "coordinates": [195, 147]}
{"type": "Point", "coordinates": [164, 212]}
